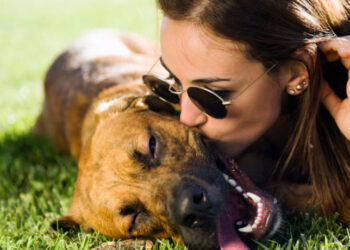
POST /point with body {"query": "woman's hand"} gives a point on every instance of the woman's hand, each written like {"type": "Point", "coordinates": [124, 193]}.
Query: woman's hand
{"type": "Point", "coordinates": [335, 49]}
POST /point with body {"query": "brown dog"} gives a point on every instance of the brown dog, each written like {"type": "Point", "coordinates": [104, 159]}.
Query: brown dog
{"type": "Point", "coordinates": [141, 172]}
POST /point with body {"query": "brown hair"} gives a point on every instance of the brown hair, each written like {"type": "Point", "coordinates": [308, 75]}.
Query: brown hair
{"type": "Point", "coordinates": [272, 31]}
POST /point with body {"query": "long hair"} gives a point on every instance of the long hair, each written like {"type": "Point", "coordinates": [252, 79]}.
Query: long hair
{"type": "Point", "coordinates": [273, 30]}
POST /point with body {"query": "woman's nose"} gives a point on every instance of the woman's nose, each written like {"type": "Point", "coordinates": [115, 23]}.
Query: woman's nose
{"type": "Point", "coordinates": [190, 115]}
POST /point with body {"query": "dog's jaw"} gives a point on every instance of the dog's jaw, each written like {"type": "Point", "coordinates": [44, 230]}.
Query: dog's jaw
{"type": "Point", "coordinates": [261, 221]}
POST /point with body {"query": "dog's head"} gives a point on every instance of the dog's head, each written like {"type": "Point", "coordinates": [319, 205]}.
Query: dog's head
{"type": "Point", "coordinates": [144, 174]}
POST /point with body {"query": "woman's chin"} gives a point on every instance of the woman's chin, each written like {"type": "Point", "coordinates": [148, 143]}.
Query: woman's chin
{"type": "Point", "coordinates": [229, 149]}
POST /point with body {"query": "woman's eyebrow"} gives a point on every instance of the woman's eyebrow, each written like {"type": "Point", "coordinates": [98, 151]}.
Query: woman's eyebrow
{"type": "Point", "coordinates": [197, 81]}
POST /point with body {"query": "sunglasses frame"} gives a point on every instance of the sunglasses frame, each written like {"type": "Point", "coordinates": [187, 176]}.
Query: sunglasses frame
{"type": "Point", "coordinates": [223, 102]}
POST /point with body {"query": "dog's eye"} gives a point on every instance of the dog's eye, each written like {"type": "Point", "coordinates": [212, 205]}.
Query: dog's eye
{"type": "Point", "coordinates": [152, 145]}
{"type": "Point", "coordinates": [149, 156]}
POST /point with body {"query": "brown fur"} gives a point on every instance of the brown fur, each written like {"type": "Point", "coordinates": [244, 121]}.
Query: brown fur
{"type": "Point", "coordinates": [97, 110]}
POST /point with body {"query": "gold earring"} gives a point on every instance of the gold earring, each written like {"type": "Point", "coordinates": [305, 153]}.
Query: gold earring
{"type": "Point", "coordinates": [291, 91]}
{"type": "Point", "coordinates": [299, 87]}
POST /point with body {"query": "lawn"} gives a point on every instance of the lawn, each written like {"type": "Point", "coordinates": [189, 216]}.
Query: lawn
{"type": "Point", "coordinates": [36, 182]}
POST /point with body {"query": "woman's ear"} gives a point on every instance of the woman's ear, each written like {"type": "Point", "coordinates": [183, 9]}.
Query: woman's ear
{"type": "Point", "coordinates": [297, 80]}
{"type": "Point", "coordinates": [296, 72]}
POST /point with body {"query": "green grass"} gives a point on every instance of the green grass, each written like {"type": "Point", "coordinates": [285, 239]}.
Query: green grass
{"type": "Point", "coordinates": [36, 182]}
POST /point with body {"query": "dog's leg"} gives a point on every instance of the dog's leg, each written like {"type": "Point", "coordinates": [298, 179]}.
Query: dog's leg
{"type": "Point", "coordinates": [126, 244]}
{"type": "Point", "coordinates": [296, 196]}
{"type": "Point", "coordinates": [299, 197]}
{"type": "Point", "coordinates": [345, 212]}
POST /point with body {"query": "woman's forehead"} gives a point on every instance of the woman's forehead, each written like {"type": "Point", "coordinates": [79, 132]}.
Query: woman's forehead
{"type": "Point", "coordinates": [198, 34]}
{"type": "Point", "coordinates": [190, 48]}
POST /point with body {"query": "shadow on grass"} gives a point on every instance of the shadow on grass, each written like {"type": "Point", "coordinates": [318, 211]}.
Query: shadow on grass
{"type": "Point", "coordinates": [36, 187]}
{"type": "Point", "coordinates": [30, 163]}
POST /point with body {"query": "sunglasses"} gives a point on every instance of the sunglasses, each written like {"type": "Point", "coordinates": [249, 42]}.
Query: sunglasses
{"type": "Point", "coordinates": [207, 100]}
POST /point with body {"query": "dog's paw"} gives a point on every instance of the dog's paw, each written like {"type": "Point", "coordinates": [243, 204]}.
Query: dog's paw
{"type": "Point", "coordinates": [129, 244]}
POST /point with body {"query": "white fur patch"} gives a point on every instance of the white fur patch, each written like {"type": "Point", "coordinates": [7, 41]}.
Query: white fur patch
{"type": "Point", "coordinates": [103, 106]}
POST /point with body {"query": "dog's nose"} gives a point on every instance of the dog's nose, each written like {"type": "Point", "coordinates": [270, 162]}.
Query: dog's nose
{"type": "Point", "coordinates": [193, 206]}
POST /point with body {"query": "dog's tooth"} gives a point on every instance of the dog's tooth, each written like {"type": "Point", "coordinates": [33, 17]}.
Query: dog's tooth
{"type": "Point", "coordinates": [246, 229]}
{"type": "Point", "coordinates": [274, 201]}
{"type": "Point", "coordinates": [245, 195]}
{"type": "Point", "coordinates": [260, 204]}
{"type": "Point", "coordinates": [233, 183]}
{"type": "Point", "coordinates": [258, 219]}
{"type": "Point", "coordinates": [254, 197]}
{"type": "Point", "coordinates": [239, 189]}
{"type": "Point", "coordinates": [226, 177]}
{"type": "Point", "coordinates": [259, 211]}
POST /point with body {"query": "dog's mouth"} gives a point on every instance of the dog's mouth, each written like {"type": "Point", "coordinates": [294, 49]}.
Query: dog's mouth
{"type": "Point", "coordinates": [249, 212]}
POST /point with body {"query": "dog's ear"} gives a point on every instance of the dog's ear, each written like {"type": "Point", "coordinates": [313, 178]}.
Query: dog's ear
{"type": "Point", "coordinates": [156, 104]}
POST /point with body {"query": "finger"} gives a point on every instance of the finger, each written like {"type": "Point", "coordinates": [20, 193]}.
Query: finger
{"type": "Point", "coordinates": [346, 62]}
{"type": "Point", "coordinates": [330, 99]}
{"type": "Point", "coordinates": [344, 52]}
{"type": "Point", "coordinates": [332, 55]}
{"type": "Point", "coordinates": [331, 48]}
{"type": "Point", "coordinates": [348, 86]}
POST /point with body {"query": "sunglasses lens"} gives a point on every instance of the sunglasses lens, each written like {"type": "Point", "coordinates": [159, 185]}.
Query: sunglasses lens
{"type": "Point", "coordinates": [207, 102]}
{"type": "Point", "coordinates": [160, 88]}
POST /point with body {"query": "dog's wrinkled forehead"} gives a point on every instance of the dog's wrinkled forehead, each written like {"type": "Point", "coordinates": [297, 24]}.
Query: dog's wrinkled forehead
{"type": "Point", "coordinates": [117, 104]}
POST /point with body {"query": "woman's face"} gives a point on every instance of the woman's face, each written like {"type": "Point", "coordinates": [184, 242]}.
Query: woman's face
{"type": "Point", "coordinates": [191, 54]}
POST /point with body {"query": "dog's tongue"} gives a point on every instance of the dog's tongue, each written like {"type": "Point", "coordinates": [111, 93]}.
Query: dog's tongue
{"type": "Point", "coordinates": [227, 235]}
{"type": "Point", "coordinates": [263, 220]}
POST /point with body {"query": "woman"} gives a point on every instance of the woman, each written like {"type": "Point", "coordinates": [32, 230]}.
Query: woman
{"type": "Point", "coordinates": [265, 61]}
